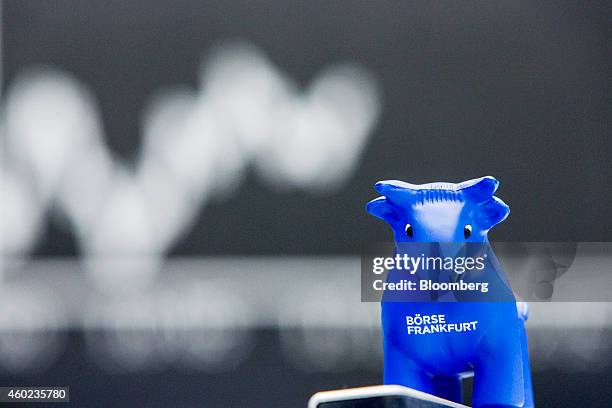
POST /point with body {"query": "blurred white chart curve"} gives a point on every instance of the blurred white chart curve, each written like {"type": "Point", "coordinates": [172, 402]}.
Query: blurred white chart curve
{"type": "Point", "coordinates": [245, 113]}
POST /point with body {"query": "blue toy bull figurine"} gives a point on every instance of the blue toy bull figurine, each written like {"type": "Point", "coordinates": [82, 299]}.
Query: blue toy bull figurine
{"type": "Point", "coordinates": [488, 337]}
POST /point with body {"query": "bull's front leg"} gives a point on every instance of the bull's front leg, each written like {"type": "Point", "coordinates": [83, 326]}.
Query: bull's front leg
{"type": "Point", "coordinates": [399, 369]}
{"type": "Point", "coordinates": [499, 372]}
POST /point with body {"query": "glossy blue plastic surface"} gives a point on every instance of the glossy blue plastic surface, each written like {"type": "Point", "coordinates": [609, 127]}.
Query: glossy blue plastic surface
{"type": "Point", "coordinates": [497, 350]}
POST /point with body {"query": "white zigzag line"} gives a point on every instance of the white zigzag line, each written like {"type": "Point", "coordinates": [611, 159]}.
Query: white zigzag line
{"type": "Point", "coordinates": [196, 145]}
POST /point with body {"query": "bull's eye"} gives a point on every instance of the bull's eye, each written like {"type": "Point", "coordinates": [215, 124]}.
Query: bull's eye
{"type": "Point", "coordinates": [467, 231]}
{"type": "Point", "coordinates": [409, 230]}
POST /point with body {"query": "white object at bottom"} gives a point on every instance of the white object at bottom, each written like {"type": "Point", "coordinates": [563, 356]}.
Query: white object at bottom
{"type": "Point", "coordinates": [353, 396]}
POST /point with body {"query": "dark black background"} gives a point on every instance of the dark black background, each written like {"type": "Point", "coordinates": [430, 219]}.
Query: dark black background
{"type": "Point", "coordinates": [518, 90]}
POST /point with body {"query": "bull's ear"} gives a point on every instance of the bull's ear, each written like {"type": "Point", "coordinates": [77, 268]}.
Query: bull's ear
{"type": "Point", "coordinates": [383, 209]}
{"type": "Point", "coordinates": [493, 212]}
{"type": "Point", "coordinates": [480, 190]}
